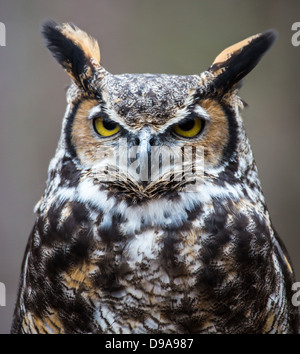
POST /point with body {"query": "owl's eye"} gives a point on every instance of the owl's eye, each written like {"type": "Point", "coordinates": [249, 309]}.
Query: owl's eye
{"type": "Point", "coordinates": [189, 128]}
{"type": "Point", "coordinates": [105, 127]}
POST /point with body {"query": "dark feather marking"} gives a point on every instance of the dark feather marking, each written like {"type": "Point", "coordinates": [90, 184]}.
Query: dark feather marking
{"type": "Point", "coordinates": [241, 63]}
{"type": "Point", "coordinates": [64, 50]}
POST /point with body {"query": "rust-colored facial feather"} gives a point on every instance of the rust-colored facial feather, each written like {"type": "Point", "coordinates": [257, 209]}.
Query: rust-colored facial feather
{"type": "Point", "coordinates": [89, 148]}
{"type": "Point", "coordinates": [217, 135]}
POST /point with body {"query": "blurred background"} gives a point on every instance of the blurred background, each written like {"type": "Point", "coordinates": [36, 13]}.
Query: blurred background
{"type": "Point", "coordinates": [157, 36]}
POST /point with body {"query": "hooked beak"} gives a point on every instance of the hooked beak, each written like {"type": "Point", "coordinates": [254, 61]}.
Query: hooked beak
{"type": "Point", "coordinates": [145, 139]}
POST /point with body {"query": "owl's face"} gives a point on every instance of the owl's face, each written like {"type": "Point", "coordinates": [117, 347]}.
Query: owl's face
{"type": "Point", "coordinates": [143, 135]}
{"type": "Point", "coordinates": [138, 119]}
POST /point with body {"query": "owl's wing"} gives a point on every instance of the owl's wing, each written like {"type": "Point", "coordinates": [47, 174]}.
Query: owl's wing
{"type": "Point", "coordinates": [18, 315]}
{"type": "Point", "coordinates": [283, 256]}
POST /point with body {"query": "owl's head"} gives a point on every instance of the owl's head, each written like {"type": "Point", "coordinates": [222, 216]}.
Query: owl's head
{"type": "Point", "coordinates": [144, 134]}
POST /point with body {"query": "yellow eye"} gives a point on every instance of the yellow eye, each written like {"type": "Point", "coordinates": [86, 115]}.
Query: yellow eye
{"type": "Point", "coordinates": [188, 128]}
{"type": "Point", "coordinates": [105, 127]}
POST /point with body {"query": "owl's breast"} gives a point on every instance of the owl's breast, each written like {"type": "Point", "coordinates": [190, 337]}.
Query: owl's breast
{"type": "Point", "coordinates": [190, 278]}
{"type": "Point", "coordinates": [167, 267]}
{"type": "Point", "coordinates": [153, 275]}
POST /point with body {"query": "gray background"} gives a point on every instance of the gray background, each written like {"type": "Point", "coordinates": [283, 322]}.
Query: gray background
{"type": "Point", "coordinates": [170, 36]}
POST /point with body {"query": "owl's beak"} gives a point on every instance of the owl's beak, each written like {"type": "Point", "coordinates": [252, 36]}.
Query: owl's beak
{"type": "Point", "coordinates": [144, 140]}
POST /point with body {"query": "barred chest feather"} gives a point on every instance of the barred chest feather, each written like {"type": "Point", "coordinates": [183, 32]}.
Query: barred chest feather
{"type": "Point", "coordinates": [180, 268]}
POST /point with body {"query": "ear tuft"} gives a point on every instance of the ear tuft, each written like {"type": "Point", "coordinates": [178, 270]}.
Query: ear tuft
{"type": "Point", "coordinates": [235, 62]}
{"type": "Point", "coordinates": [88, 44]}
{"type": "Point", "coordinates": [74, 49]}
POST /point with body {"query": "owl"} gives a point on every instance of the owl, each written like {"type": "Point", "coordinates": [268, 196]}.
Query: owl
{"type": "Point", "coordinates": [153, 219]}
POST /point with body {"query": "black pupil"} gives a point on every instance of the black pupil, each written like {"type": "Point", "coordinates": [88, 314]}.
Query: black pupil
{"type": "Point", "coordinates": [109, 124]}
{"type": "Point", "coordinates": [187, 125]}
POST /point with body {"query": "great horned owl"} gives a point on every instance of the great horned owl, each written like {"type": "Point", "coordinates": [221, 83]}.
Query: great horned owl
{"type": "Point", "coordinates": [124, 244]}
